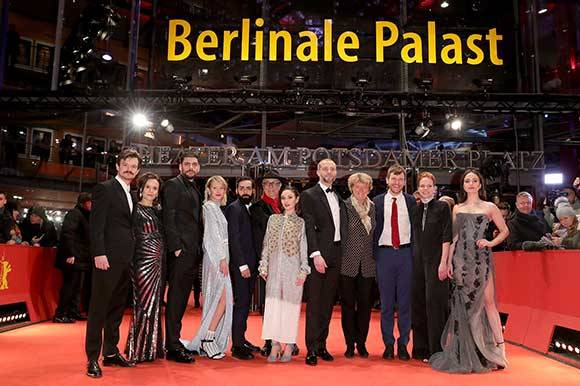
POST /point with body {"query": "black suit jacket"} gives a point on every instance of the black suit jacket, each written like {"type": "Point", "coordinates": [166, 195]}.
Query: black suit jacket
{"type": "Point", "coordinates": [111, 223]}
{"type": "Point", "coordinates": [427, 244]}
{"type": "Point", "coordinates": [241, 241]}
{"type": "Point", "coordinates": [182, 215]}
{"type": "Point", "coordinates": [260, 212]}
{"type": "Point", "coordinates": [380, 213]}
{"type": "Point", "coordinates": [319, 224]}
{"type": "Point", "coordinates": [75, 239]}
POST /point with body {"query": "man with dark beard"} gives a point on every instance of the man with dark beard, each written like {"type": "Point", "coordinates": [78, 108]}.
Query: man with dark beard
{"type": "Point", "coordinates": [243, 264]}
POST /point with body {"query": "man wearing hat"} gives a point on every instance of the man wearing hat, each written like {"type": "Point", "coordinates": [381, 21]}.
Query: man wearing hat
{"type": "Point", "coordinates": [38, 230]}
{"type": "Point", "coordinates": [260, 212]}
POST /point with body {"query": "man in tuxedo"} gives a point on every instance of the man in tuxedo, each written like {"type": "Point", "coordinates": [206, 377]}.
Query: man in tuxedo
{"type": "Point", "coordinates": [324, 214]}
{"type": "Point", "coordinates": [394, 260]}
{"type": "Point", "coordinates": [243, 265]}
{"type": "Point", "coordinates": [183, 229]}
{"type": "Point", "coordinates": [112, 247]}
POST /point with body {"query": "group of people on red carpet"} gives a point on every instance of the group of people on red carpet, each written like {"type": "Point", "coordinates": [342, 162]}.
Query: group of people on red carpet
{"type": "Point", "coordinates": [290, 239]}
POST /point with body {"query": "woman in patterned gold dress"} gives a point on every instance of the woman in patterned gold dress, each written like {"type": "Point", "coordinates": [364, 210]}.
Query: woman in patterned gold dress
{"type": "Point", "coordinates": [145, 340]}
{"type": "Point", "coordinates": [284, 266]}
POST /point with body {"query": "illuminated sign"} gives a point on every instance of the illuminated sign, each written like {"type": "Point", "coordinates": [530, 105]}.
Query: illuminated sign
{"type": "Point", "coordinates": [308, 46]}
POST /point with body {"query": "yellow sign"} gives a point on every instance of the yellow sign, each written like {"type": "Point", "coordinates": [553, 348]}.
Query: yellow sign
{"type": "Point", "coordinates": [207, 44]}
{"type": "Point", "coordinates": [5, 269]}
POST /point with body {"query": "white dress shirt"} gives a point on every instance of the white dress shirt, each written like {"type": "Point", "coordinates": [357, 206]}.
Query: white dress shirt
{"type": "Point", "coordinates": [403, 217]}
{"type": "Point", "coordinates": [127, 190]}
{"type": "Point", "coordinates": [245, 266]}
{"type": "Point", "coordinates": [332, 199]}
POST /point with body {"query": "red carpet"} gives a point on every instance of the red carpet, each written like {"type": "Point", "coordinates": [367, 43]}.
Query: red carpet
{"type": "Point", "coordinates": [53, 354]}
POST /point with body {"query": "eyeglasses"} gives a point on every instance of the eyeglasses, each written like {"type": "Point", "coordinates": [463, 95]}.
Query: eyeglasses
{"type": "Point", "coordinates": [272, 183]}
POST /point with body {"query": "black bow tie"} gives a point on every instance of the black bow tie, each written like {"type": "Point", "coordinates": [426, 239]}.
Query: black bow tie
{"type": "Point", "coordinates": [329, 190]}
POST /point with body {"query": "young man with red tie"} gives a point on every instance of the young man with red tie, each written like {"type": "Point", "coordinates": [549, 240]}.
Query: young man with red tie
{"type": "Point", "coordinates": [394, 260]}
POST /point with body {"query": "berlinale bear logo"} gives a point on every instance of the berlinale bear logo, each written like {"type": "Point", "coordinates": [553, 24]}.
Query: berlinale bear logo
{"type": "Point", "coordinates": [5, 268]}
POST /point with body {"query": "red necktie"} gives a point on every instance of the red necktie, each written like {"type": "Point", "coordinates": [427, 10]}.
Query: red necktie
{"type": "Point", "coordinates": [395, 224]}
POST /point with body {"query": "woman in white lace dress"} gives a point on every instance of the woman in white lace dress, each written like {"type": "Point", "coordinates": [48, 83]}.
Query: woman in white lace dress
{"type": "Point", "coordinates": [216, 320]}
{"type": "Point", "coordinates": [284, 266]}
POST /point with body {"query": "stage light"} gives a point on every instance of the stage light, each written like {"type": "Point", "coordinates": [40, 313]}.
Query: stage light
{"type": "Point", "coordinates": [164, 122]}
{"type": "Point", "coordinates": [140, 120]}
{"type": "Point", "coordinates": [557, 344]}
{"type": "Point", "coordinates": [424, 83]}
{"type": "Point", "coordinates": [570, 348]}
{"type": "Point", "coordinates": [150, 133]}
{"type": "Point", "coordinates": [484, 84]}
{"type": "Point", "coordinates": [422, 130]}
{"type": "Point", "coordinates": [107, 57]}
{"type": "Point", "coordinates": [245, 80]}
{"type": "Point", "coordinates": [81, 68]}
{"type": "Point", "coordinates": [577, 350]}
{"type": "Point", "coordinates": [542, 11]}
{"type": "Point", "coordinates": [444, 4]}
{"type": "Point", "coordinates": [553, 179]}
{"type": "Point", "coordinates": [455, 123]}
{"type": "Point", "coordinates": [298, 80]}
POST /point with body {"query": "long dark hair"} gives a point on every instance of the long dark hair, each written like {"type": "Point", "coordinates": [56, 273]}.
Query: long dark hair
{"type": "Point", "coordinates": [293, 190]}
{"type": "Point", "coordinates": [481, 192]}
{"type": "Point", "coordinates": [141, 185]}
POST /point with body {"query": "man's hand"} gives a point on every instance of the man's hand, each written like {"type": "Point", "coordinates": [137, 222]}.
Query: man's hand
{"type": "Point", "coordinates": [177, 253]}
{"type": "Point", "coordinates": [246, 273]}
{"type": "Point", "coordinates": [320, 264]}
{"type": "Point", "coordinates": [70, 260]}
{"type": "Point", "coordinates": [101, 262]}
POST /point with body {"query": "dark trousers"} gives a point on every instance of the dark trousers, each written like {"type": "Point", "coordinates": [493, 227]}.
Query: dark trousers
{"type": "Point", "coordinates": [109, 297]}
{"type": "Point", "coordinates": [243, 289]}
{"type": "Point", "coordinates": [181, 274]}
{"type": "Point", "coordinates": [430, 308]}
{"type": "Point", "coordinates": [394, 273]}
{"type": "Point", "coordinates": [322, 289]}
{"type": "Point", "coordinates": [70, 292]}
{"type": "Point", "coordinates": [356, 302]}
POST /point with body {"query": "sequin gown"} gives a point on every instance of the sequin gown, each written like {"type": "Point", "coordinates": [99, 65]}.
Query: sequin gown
{"type": "Point", "coordinates": [284, 259]}
{"type": "Point", "coordinates": [145, 339]}
{"type": "Point", "coordinates": [468, 342]}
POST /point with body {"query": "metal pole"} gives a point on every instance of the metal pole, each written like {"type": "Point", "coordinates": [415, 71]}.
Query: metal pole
{"type": "Point", "coordinates": [134, 43]}
{"type": "Point", "coordinates": [152, 48]}
{"type": "Point", "coordinates": [537, 88]}
{"type": "Point", "coordinates": [3, 39]}
{"type": "Point", "coordinates": [515, 119]}
{"type": "Point", "coordinates": [84, 145]}
{"type": "Point", "coordinates": [57, 46]}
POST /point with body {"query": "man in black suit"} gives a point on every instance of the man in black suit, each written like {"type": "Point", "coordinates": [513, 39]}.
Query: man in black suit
{"type": "Point", "coordinates": [112, 247]}
{"type": "Point", "coordinates": [243, 265]}
{"type": "Point", "coordinates": [324, 214]}
{"type": "Point", "coordinates": [183, 228]}
{"type": "Point", "coordinates": [393, 252]}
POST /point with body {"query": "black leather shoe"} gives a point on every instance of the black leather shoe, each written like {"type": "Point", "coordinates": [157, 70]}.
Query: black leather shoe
{"type": "Point", "coordinates": [402, 352]}
{"type": "Point", "coordinates": [324, 355]}
{"type": "Point", "coordinates": [117, 360]}
{"type": "Point", "coordinates": [349, 353]}
{"type": "Point", "coordinates": [311, 359]}
{"type": "Point", "coordinates": [77, 316]}
{"type": "Point", "coordinates": [252, 348]}
{"type": "Point", "coordinates": [63, 319]}
{"type": "Point", "coordinates": [93, 369]}
{"type": "Point", "coordinates": [266, 349]}
{"type": "Point", "coordinates": [295, 350]}
{"type": "Point", "coordinates": [179, 356]}
{"type": "Point", "coordinates": [242, 353]}
{"type": "Point", "coordinates": [362, 350]}
{"type": "Point", "coordinates": [389, 352]}
{"type": "Point", "coordinates": [189, 352]}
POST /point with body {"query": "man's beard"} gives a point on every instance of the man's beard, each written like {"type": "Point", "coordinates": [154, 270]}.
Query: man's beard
{"type": "Point", "coordinates": [245, 199]}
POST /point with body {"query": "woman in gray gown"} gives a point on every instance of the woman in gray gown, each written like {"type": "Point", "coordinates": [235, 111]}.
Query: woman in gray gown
{"type": "Point", "coordinates": [472, 340]}
{"type": "Point", "coordinates": [216, 320]}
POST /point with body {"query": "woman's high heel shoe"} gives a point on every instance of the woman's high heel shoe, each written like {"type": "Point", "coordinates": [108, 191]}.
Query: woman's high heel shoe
{"type": "Point", "coordinates": [274, 353]}
{"type": "Point", "coordinates": [287, 355]}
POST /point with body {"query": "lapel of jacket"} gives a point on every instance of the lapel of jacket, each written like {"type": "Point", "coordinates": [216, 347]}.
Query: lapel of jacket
{"type": "Point", "coordinates": [121, 192]}
{"type": "Point", "coordinates": [322, 195]}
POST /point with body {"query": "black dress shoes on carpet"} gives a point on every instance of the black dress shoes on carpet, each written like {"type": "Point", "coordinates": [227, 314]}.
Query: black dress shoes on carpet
{"type": "Point", "coordinates": [324, 355]}
{"type": "Point", "coordinates": [250, 347]}
{"type": "Point", "coordinates": [389, 352]}
{"type": "Point", "coordinates": [362, 350]}
{"type": "Point", "coordinates": [402, 352]}
{"type": "Point", "coordinates": [295, 350]}
{"type": "Point", "coordinates": [349, 353]}
{"type": "Point", "coordinates": [117, 360]}
{"type": "Point", "coordinates": [63, 319]}
{"type": "Point", "coordinates": [241, 352]}
{"type": "Point", "coordinates": [93, 369]}
{"type": "Point", "coordinates": [311, 358]}
{"type": "Point", "coordinates": [265, 351]}
{"type": "Point", "coordinates": [179, 355]}
{"type": "Point", "coordinates": [187, 351]}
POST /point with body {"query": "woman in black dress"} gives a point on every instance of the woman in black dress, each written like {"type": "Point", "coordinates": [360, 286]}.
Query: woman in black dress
{"type": "Point", "coordinates": [145, 340]}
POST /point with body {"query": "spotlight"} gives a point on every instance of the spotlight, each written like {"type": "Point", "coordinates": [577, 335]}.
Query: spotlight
{"type": "Point", "coordinates": [444, 4]}
{"type": "Point", "coordinates": [484, 84]}
{"type": "Point", "coordinates": [542, 11]}
{"type": "Point", "coordinates": [81, 68]}
{"type": "Point", "coordinates": [150, 133]}
{"type": "Point", "coordinates": [298, 80]}
{"type": "Point", "coordinates": [456, 124]}
{"type": "Point", "coordinates": [140, 120]}
{"type": "Point", "coordinates": [107, 57]}
{"type": "Point", "coordinates": [421, 130]}
{"type": "Point", "coordinates": [245, 80]}
{"type": "Point", "coordinates": [164, 122]}
{"type": "Point", "coordinates": [553, 179]}
{"type": "Point", "coordinates": [202, 72]}
{"type": "Point", "coordinates": [424, 83]}
{"type": "Point", "coordinates": [166, 125]}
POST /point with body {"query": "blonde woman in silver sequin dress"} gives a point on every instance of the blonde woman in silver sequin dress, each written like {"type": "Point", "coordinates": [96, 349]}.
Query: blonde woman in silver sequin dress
{"type": "Point", "coordinates": [284, 266]}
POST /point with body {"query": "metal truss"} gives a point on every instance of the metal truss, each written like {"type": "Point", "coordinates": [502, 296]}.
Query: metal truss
{"type": "Point", "coordinates": [356, 101]}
